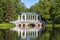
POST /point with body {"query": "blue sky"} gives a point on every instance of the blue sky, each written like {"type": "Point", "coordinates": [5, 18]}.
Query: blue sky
{"type": "Point", "coordinates": [29, 3]}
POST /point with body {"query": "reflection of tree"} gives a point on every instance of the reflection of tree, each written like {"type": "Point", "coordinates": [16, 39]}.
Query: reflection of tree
{"type": "Point", "coordinates": [8, 35]}
{"type": "Point", "coordinates": [55, 34]}
{"type": "Point", "coordinates": [50, 34]}
{"type": "Point", "coordinates": [31, 25]}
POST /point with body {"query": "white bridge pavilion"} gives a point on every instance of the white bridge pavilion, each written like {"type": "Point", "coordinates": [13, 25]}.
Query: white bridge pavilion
{"type": "Point", "coordinates": [28, 16]}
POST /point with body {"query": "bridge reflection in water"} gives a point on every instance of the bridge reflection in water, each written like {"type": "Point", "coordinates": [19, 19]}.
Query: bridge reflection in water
{"type": "Point", "coordinates": [27, 33]}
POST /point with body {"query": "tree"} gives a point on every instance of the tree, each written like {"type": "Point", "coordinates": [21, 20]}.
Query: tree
{"type": "Point", "coordinates": [23, 8]}
{"type": "Point", "coordinates": [9, 10]}
{"type": "Point", "coordinates": [48, 9]}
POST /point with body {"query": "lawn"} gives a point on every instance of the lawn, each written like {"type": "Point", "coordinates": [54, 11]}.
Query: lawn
{"type": "Point", "coordinates": [6, 25]}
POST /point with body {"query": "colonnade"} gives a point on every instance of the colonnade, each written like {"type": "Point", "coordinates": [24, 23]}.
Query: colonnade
{"type": "Point", "coordinates": [31, 17]}
{"type": "Point", "coordinates": [27, 17]}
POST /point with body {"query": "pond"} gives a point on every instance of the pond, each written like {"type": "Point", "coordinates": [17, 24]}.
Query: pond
{"type": "Point", "coordinates": [48, 34]}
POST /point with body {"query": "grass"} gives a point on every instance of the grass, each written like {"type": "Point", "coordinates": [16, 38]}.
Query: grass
{"type": "Point", "coordinates": [6, 25]}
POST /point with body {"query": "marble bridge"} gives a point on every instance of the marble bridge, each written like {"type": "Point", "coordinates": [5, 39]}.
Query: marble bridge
{"type": "Point", "coordinates": [24, 19]}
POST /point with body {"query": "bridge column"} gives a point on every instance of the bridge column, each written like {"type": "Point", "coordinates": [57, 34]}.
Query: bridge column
{"type": "Point", "coordinates": [19, 17]}
{"type": "Point", "coordinates": [37, 17]}
{"type": "Point", "coordinates": [25, 17]}
{"type": "Point", "coordinates": [32, 33]}
{"type": "Point", "coordinates": [36, 33]}
{"type": "Point", "coordinates": [23, 34]}
{"type": "Point", "coordinates": [18, 33]}
{"type": "Point", "coordinates": [34, 17]}
{"type": "Point", "coordinates": [30, 17]}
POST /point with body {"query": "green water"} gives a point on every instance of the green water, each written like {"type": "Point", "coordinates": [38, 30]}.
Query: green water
{"type": "Point", "coordinates": [48, 34]}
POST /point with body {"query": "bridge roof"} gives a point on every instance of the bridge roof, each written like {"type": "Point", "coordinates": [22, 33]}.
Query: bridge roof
{"type": "Point", "coordinates": [28, 13]}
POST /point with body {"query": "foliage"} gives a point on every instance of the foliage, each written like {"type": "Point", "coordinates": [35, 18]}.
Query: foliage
{"type": "Point", "coordinates": [48, 9]}
{"type": "Point", "coordinates": [6, 34]}
{"type": "Point", "coordinates": [9, 10]}
{"type": "Point", "coordinates": [31, 25]}
{"type": "Point", "coordinates": [6, 25]}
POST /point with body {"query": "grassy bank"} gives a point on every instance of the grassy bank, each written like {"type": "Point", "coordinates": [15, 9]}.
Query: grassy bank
{"type": "Point", "coordinates": [6, 25]}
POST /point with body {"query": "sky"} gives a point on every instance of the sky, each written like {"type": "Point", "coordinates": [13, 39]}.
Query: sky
{"type": "Point", "coordinates": [29, 3]}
